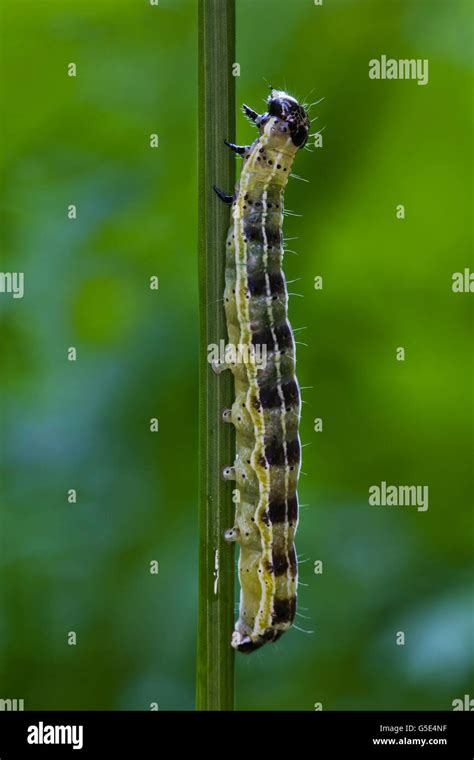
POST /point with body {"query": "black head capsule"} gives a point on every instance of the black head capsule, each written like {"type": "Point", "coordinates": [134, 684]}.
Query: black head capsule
{"type": "Point", "coordinates": [292, 115]}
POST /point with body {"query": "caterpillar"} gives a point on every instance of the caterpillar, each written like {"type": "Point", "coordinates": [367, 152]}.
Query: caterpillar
{"type": "Point", "coordinates": [267, 406]}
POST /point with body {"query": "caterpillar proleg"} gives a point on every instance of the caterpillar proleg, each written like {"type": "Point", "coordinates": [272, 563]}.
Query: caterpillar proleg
{"type": "Point", "coordinates": [266, 410]}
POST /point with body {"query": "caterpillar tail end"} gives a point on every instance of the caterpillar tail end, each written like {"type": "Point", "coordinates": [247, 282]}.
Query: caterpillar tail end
{"type": "Point", "coordinates": [246, 644]}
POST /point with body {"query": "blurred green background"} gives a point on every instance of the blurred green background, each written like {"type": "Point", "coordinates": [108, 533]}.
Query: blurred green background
{"type": "Point", "coordinates": [85, 567]}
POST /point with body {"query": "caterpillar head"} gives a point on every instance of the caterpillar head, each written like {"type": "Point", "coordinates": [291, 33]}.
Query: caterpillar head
{"type": "Point", "coordinates": [286, 109]}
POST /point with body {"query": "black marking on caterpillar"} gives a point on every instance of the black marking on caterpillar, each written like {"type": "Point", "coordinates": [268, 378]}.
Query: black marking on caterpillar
{"type": "Point", "coordinates": [267, 406]}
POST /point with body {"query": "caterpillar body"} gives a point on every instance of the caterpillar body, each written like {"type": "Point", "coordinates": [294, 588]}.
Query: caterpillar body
{"type": "Point", "coordinates": [266, 410]}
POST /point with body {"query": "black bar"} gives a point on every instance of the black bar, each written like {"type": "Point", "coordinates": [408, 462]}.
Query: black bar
{"type": "Point", "coordinates": [316, 735]}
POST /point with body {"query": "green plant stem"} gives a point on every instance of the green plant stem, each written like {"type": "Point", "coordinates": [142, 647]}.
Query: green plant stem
{"type": "Point", "coordinates": [215, 658]}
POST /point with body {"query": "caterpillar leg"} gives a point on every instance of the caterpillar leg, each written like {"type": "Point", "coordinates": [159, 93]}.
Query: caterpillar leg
{"type": "Point", "coordinates": [227, 415]}
{"type": "Point", "coordinates": [250, 113]}
{"type": "Point", "coordinates": [229, 199]}
{"type": "Point", "coordinates": [228, 473]}
{"type": "Point", "coordinates": [241, 150]}
{"type": "Point", "coordinates": [232, 534]}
